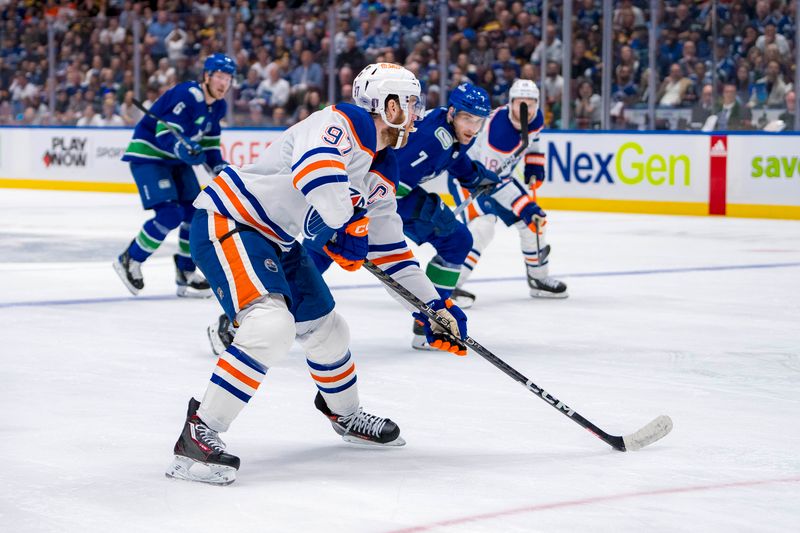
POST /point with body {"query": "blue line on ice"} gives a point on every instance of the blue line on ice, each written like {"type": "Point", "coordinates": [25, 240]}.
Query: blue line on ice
{"type": "Point", "coordinates": [86, 301]}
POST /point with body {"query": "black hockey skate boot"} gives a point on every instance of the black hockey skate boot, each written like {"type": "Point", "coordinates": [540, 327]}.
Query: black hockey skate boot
{"type": "Point", "coordinates": [220, 334]}
{"type": "Point", "coordinates": [362, 427]}
{"type": "Point", "coordinates": [130, 272]}
{"type": "Point", "coordinates": [191, 284]}
{"type": "Point", "coordinates": [200, 453]}
{"type": "Point", "coordinates": [463, 299]}
{"type": "Point", "coordinates": [547, 287]}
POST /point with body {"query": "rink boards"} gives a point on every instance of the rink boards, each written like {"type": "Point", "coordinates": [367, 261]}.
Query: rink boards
{"type": "Point", "coordinates": [745, 174]}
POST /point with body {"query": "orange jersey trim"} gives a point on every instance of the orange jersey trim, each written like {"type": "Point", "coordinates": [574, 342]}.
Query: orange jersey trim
{"type": "Point", "coordinates": [387, 180]}
{"type": "Point", "coordinates": [353, 131]}
{"type": "Point", "coordinates": [240, 207]}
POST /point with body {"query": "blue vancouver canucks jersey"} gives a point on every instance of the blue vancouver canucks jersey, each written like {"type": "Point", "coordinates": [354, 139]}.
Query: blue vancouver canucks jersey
{"type": "Point", "coordinates": [431, 150]}
{"type": "Point", "coordinates": [184, 107]}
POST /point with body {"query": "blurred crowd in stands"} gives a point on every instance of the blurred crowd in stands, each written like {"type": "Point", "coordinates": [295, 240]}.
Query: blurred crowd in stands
{"type": "Point", "coordinates": [282, 50]}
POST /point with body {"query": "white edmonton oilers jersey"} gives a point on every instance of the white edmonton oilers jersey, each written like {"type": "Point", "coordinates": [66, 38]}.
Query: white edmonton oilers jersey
{"type": "Point", "coordinates": [499, 139]}
{"type": "Point", "coordinates": [314, 174]}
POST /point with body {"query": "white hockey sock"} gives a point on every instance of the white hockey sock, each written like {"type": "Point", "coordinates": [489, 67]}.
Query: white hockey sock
{"type": "Point", "coordinates": [530, 251]}
{"type": "Point", "coordinates": [266, 332]}
{"type": "Point", "coordinates": [332, 368]}
{"type": "Point", "coordinates": [234, 381]}
{"type": "Point", "coordinates": [337, 384]}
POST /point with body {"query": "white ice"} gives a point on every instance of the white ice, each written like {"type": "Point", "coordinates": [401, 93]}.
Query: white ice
{"type": "Point", "coordinates": [95, 385]}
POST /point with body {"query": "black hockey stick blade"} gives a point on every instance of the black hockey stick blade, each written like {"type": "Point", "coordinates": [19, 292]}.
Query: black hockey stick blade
{"type": "Point", "coordinates": [655, 430]}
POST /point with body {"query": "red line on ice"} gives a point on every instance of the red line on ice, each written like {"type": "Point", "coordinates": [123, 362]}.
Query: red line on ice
{"type": "Point", "coordinates": [589, 501]}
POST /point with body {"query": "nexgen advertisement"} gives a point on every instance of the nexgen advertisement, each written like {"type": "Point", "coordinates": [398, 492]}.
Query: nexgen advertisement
{"type": "Point", "coordinates": [740, 175]}
{"type": "Point", "coordinates": [650, 168]}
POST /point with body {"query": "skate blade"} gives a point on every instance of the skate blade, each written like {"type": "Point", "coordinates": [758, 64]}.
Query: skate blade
{"type": "Point", "coordinates": [120, 270]}
{"type": "Point", "coordinates": [190, 470]}
{"type": "Point", "coordinates": [463, 302]}
{"type": "Point", "coordinates": [536, 293]}
{"type": "Point", "coordinates": [188, 292]}
{"type": "Point", "coordinates": [421, 343]}
{"type": "Point", "coordinates": [217, 346]}
{"type": "Point", "coordinates": [399, 441]}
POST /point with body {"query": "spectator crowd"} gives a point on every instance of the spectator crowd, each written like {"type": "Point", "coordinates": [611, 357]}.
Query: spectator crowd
{"type": "Point", "coordinates": [282, 50]}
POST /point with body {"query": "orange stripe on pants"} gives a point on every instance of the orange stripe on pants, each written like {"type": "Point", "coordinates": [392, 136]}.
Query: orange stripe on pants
{"type": "Point", "coordinates": [246, 292]}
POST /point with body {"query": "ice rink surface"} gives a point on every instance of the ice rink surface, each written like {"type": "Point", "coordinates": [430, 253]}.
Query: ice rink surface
{"type": "Point", "coordinates": [693, 317]}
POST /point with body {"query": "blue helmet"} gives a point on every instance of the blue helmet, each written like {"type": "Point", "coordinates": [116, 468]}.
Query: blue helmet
{"type": "Point", "coordinates": [470, 99]}
{"type": "Point", "coordinates": [219, 62]}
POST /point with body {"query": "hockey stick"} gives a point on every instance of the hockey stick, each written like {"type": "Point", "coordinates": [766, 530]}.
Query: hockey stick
{"type": "Point", "coordinates": [649, 434]}
{"type": "Point", "coordinates": [172, 130]}
{"type": "Point", "coordinates": [523, 134]}
{"type": "Point", "coordinates": [167, 125]}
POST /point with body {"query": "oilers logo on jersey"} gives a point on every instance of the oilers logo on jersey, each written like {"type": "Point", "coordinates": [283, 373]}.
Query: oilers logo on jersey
{"type": "Point", "coordinates": [312, 221]}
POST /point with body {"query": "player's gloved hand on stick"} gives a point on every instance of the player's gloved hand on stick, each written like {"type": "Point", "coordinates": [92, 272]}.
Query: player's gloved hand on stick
{"type": "Point", "coordinates": [349, 245]}
{"type": "Point", "coordinates": [193, 155]}
{"type": "Point", "coordinates": [534, 169]}
{"type": "Point", "coordinates": [533, 216]}
{"type": "Point", "coordinates": [450, 339]}
{"type": "Point", "coordinates": [483, 177]}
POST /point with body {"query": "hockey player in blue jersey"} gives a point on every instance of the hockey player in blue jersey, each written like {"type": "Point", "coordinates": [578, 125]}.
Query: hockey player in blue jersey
{"type": "Point", "coordinates": [440, 145]}
{"type": "Point", "coordinates": [161, 165]}
{"type": "Point", "coordinates": [497, 147]}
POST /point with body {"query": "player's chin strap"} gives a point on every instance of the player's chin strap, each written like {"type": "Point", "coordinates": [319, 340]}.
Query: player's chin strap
{"type": "Point", "coordinates": [401, 127]}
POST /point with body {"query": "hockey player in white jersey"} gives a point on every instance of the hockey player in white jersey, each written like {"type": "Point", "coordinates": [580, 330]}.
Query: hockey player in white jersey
{"type": "Point", "coordinates": [495, 147]}
{"type": "Point", "coordinates": [322, 176]}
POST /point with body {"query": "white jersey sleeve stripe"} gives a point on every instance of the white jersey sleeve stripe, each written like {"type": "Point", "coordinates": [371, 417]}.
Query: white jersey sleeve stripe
{"type": "Point", "coordinates": [317, 169]}
{"type": "Point", "coordinates": [328, 151]}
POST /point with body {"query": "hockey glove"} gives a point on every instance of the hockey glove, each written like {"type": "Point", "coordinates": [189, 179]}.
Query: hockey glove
{"type": "Point", "coordinates": [482, 177]}
{"type": "Point", "coordinates": [533, 216]}
{"type": "Point", "coordinates": [350, 244]}
{"type": "Point", "coordinates": [534, 169]}
{"type": "Point", "coordinates": [451, 339]}
{"type": "Point", "coordinates": [191, 156]}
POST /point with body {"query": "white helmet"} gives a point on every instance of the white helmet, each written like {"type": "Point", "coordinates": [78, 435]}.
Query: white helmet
{"type": "Point", "coordinates": [525, 89]}
{"type": "Point", "coordinates": [380, 80]}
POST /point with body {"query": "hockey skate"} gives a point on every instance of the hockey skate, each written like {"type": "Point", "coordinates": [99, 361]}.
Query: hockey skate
{"type": "Point", "coordinates": [130, 272]}
{"type": "Point", "coordinates": [200, 453]}
{"type": "Point", "coordinates": [420, 340]}
{"type": "Point", "coordinates": [191, 284]}
{"type": "Point", "coordinates": [220, 334]}
{"type": "Point", "coordinates": [362, 427]}
{"type": "Point", "coordinates": [547, 287]}
{"type": "Point", "coordinates": [463, 299]}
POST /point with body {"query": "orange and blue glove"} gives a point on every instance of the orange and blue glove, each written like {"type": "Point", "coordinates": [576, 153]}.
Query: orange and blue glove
{"type": "Point", "coordinates": [534, 169]}
{"type": "Point", "coordinates": [533, 216]}
{"type": "Point", "coordinates": [450, 339]}
{"type": "Point", "coordinates": [349, 245]}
